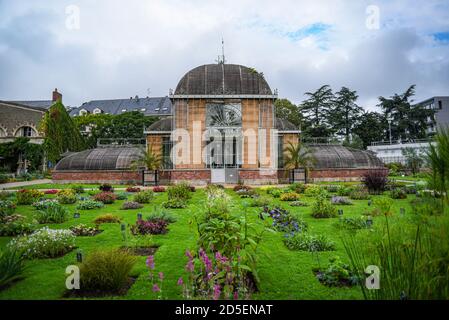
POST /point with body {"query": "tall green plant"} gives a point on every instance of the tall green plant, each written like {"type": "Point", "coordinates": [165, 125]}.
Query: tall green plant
{"type": "Point", "coordinates": [148, 159]}
{"type": "Point", "coordinates": [438, 160]}
{"type": "Point", "coordinates": [61, 133]}
{"type": "Point", "coordinates": [298, 156]}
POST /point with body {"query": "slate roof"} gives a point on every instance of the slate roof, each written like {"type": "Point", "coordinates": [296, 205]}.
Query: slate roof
{"type": "Point", "coordinates": [18, 104]}
{"type": "Point", "coordinates": [223, 79]}
{"type": "Point", "coordinates": [43, 104]}
{"type": "Point", "coordinates": [154, 106]}
{"type": "Point", "coordinates": [161, 125]}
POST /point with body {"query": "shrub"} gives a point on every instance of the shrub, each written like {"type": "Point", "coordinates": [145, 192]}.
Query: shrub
{"type": "Point", "coordinates": [159, 214]}
{"type": "Point", "coordinates": [78, 189]}
{"type": "Point", "coordinates": [5, 195]}
{"type": "Point", "coordinates": [107, 218]}
{"type": "Point", "coordinates": [298, 204]}
{"type": "Point", "coordinates": [352, 223]}
{"type": "Point", "coordinates": [53, 213]}
{"type": "Point", "coordinates": [43, 204]}
{"type": "Point", "coordinates": [343, 191]}
{"type": "Point", "coordinates": [12, 267]}
{"type": "Point", "coordinates": [251, 193]}
{"type": "Point", "coordinates": [51, 191]}
{"type": "Point", "coordinates": [93, 192]}
{"type": "Point", "coordinates": [133, 189]}
{"type": "Point", "coordinates": [89, 205]}
{"type": "Point", "coordinates": [297, 187]}
{"type": "Point", "coordinates": [337, 274]}
{"type": "Point", "coordinates": [27, 197]}
{"type": "Point", "coordinates": [7, 208]}
{"type": "Point", "coordinates": [15, 225]}
{"type": "Point", "coordinates": [158, 189]}
{"type": "Point", "coordinates": [333, 188]}
{"type": "Point", "coordinates": [3, 178]}
{"type": "Point", "coordinates": [83, 230]}
{"type": "Point", "coordinates": [106, 187]}
{"type": "Point", "coordinates": [149, 227]}
{"type": "Point", "coordinates": [323, 208]}
{"type": "Point", "coordinates": [337, 200]}
{"type": "Point", "coordinates": [260, 202]}
{"type": "Point", "coordinates": [289, 196]}
{"type": "Point", "coordinates": [359, 194]}
{"type": "Point", "coordinates": [180, 192]}
{"type": "Point", "coordinates": [303, 241]}
{"type": "Point", "coordinates": [44, 243]}
{"type": "Point", "coordinates": [144, 196]}
{"type": "Point", "coordinates": [121, 195]}
{"type": "Point", "coordinates": [106, 271]}
{"type": "Point", "coordinates": [239, 187]}
{"type": "Point", "coordinates": [174, 204]}
{"type": "Point", "coordinates": [375, 181]}
{"type": "Point", "coordinates": [398, 194]}
{"type": "Point", "coordinates": [313, 190]}
{"type": "Point", "coordinates": [105, 197]}
{"type": "Point", "coordinates": [66, 196]}
{"type": "Point", "coordinates": [131, 205]}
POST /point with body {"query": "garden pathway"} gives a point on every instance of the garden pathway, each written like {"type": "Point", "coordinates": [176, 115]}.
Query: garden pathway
{"type": "Point", "coordinates": [23, 183]}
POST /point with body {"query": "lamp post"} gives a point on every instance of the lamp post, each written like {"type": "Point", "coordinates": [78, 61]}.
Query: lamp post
{"type": "Point", "coordinates": [389, 119]}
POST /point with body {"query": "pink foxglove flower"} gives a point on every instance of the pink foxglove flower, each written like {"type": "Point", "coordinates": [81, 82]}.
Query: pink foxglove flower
{"type": "Point", "coordinates": [161, 276]}
{"type": "Point", "coordinates": [217, 292]}
{"type": "Point", "coordinates": [156, 288]}
{"type": "Point", "coordinates": [150, 262]}
{"type": "Point", "coordinates": [180, 281]}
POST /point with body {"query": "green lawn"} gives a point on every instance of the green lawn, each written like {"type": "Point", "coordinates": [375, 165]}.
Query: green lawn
{"type": "Point", "coordinates": [45, 186]}
{"type": "Point", "coordinates": [284, 274]}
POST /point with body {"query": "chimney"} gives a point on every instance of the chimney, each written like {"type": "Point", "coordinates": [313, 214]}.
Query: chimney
{"type": "Point", "coordinates": [56, 96]}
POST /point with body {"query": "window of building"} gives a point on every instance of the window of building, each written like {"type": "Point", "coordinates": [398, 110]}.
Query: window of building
{"type": "Point", "coordinates": [97, 111]}
{"type": "Point", "coordinates": [224, 115]}
{"type": "Point", "coordinates": [26, 132]}
{"type": "Point", "coordinates": [167, 146]}
{"type": "Point", "coordinates": [2, 132]}
{"type": "Point", "coordinates": [440, 104]}
{"type": "Point", "coordinates": [280, 152]}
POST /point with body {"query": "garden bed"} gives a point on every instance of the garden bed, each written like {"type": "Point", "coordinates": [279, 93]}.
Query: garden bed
{"type": "Point", "coordinates": [142, 251]}
{"type": "Point", "coordinates": [71, 294]}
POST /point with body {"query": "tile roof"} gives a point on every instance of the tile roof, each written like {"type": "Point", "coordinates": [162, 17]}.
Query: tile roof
{"type": "Point", "coordinates": [44, 104]}
{"type": "Point", "coordinates": [149, 106]}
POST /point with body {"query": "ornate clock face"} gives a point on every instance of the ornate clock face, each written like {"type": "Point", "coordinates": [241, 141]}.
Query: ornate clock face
{"type": "Point", "coordinates": [224, 115]}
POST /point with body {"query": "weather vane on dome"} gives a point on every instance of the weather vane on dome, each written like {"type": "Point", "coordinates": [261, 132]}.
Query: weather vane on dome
{"type": "Point", "coordinates": [221, 59]}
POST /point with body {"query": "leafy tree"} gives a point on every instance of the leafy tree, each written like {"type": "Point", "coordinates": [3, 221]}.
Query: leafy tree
{"type": "Point", "coordinates": [104, 126]}
{"type": "Point", "coordinates": [11, 151]}
{"type": "Point", "coordinates": [316, 111]}
{"type": "Point", "coordinates": [61, 133]}
{"type": "Point", "coordinates": [413, 160]}
{"type": "Point", "coordinates": [407, 122]}
{"type": "Point", "coordinates": [371, 127]}
{"type": "Point", "coordinates": [285, 109]}
{"type": "Point", "coordinates": [345, 113]}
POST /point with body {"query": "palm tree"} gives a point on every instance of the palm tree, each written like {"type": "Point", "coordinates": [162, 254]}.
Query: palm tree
{"type": "Point", "coordinates": [298, 156]}
{"type": "Point", "coordinates": [148, 159]}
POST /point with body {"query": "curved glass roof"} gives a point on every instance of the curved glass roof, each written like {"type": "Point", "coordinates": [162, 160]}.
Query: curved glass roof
{"type": "Point", "coordinates": [114, 158]}
{"type": "Point", "coordinates": [339, 157]}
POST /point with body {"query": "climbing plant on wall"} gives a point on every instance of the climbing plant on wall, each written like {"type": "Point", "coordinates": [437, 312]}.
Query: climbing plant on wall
{"type": "Point", "coordinates": [61, 133]}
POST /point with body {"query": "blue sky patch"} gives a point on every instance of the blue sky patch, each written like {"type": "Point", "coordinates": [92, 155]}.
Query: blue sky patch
{"type": "Point", "coordinates": [441, 36]}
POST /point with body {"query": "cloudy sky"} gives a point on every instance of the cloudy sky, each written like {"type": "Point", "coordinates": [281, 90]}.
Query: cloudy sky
{"type": "Point", "coordinates": [117, 49]}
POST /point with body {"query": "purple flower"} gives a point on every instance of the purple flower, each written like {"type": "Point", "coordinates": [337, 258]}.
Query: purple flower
{"type": "Point", "coordinates": [217, 292]}
{"type": "Point", "coordinates": [150, 262]}
{"type": "Point", "coordinates": [189, 254]}
{"type": "Point", "coordinates": [156, 288]}
{"type": "Point", "coordinates": [236, 295]}
{"type": "Point", "coordinates": [180, 281]}
{"type": "Point", "coordinates": [190, 266]}
{"type": "Point", "coordinates": [161, 276]}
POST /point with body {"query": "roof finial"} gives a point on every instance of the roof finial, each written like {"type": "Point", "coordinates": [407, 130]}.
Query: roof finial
{"type": "Point", "coordinates": [221, 59]}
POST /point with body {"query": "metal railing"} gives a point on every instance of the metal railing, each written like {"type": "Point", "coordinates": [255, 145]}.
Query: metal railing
{"type": "Point", "coordinates": [388, 143]}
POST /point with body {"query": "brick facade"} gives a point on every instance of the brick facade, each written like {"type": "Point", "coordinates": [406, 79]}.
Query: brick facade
{"type": "Point", "coordinates": [100, 176]}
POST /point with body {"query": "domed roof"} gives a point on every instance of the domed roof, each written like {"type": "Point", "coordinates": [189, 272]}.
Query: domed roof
{"type": "Point", "coordinates": [223, 79]}
{"type": "Point", "coordinates": [337, 156]}
{"type": "Point", "coordinates": [113, 158]}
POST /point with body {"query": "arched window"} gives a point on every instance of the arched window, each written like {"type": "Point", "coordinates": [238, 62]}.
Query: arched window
{"type": "Point", "coordinates": [26, 131]}
{"type": "Point", "coordinates": [83, 112]}
{"type": "Point", "coordinates": [97, 111]}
